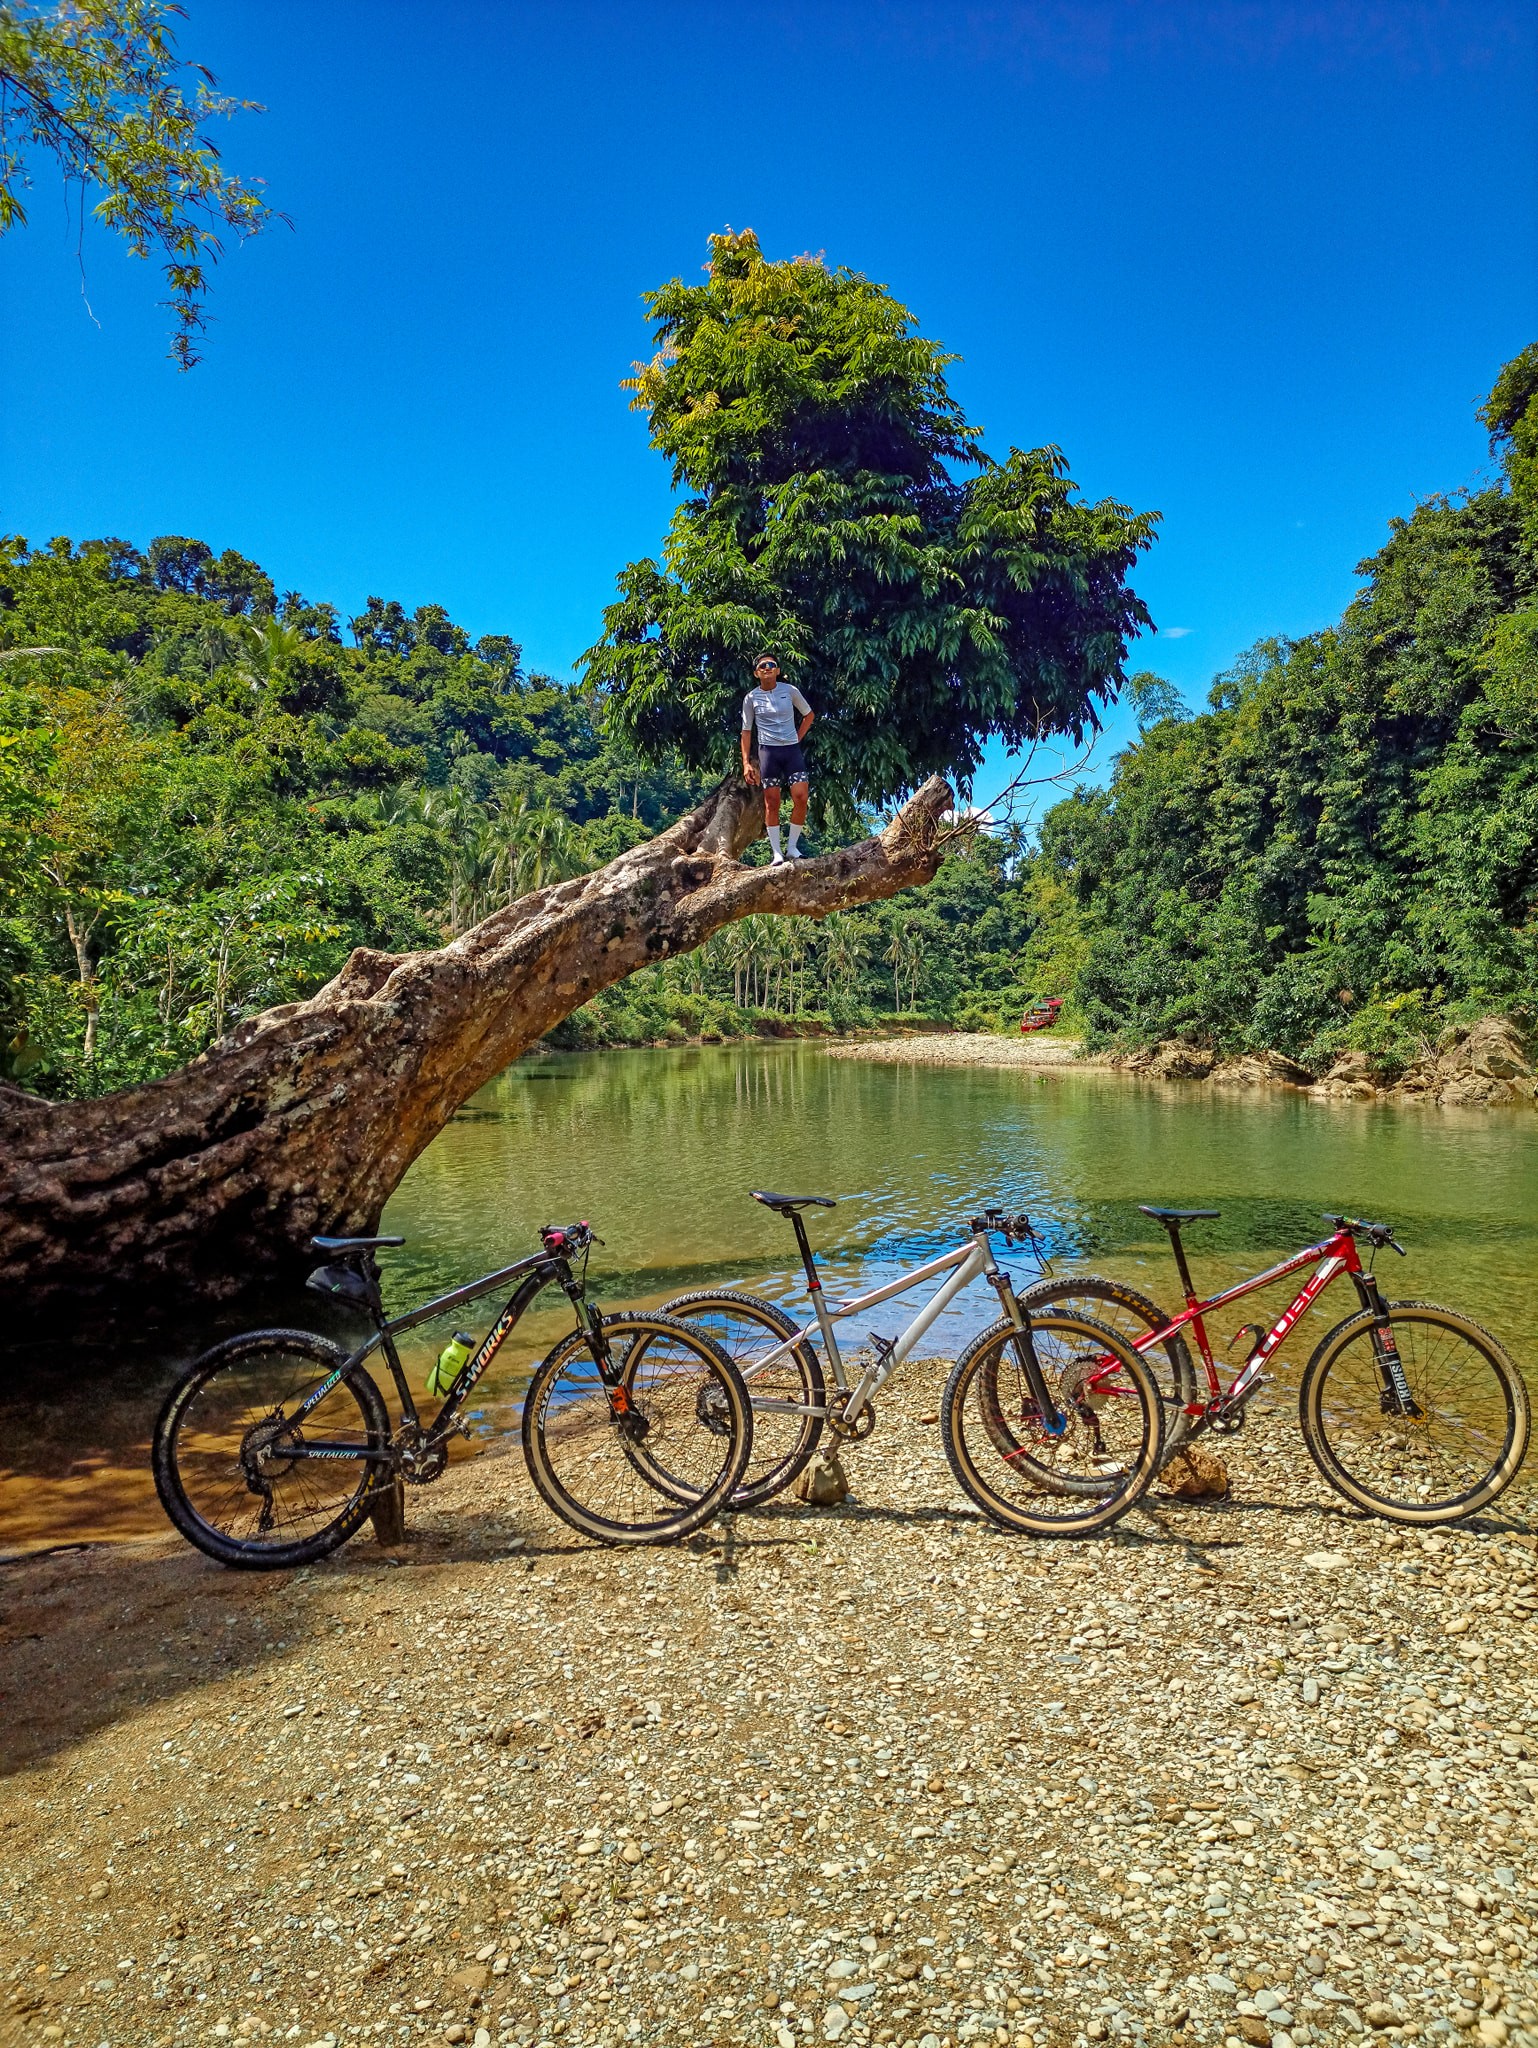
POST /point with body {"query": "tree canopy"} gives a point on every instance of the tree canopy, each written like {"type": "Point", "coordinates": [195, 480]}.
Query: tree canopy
{"type": "Point", "coordinates": [97, 86]}
{"type": "Point", "coordinates": [843, 514]}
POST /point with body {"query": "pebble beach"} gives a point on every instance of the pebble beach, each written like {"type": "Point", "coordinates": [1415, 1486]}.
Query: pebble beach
{"type": "Point", "coordinates": [1256, 1771]}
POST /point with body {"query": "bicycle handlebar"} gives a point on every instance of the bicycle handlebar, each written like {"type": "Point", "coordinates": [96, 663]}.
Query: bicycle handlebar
{"type": "Point", "coordinates": [568, 1238]}
{"type": "Point", "coordinates": [1016, 1228]}
{"type": "Point", "coordinates": [1379, 1234]}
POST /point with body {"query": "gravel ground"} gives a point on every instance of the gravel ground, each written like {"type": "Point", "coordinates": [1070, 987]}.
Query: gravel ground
{"type": "Point", "coordinates": [971, 1049]}
{"type": "Point", "coordinates": [1254, 1772]}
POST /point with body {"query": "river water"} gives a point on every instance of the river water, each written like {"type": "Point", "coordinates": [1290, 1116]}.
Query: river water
{"type": "Point", "coordinates": [660, 1148]}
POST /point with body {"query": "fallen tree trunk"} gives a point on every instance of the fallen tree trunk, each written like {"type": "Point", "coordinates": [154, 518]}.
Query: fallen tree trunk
{"type": "Point", "coordinates": [303, 1120]}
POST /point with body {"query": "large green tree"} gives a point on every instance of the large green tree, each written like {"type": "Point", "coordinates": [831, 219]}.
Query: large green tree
{"type": "Point", "coordinates": [1342, 850]}
{"type": "Point", "coordinates": [97, 88]}
{"type": "Point", "coordinates": [842, 512]}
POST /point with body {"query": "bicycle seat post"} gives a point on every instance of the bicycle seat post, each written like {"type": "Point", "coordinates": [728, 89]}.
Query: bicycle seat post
{"type": "Point", "coordinates": [803, 1245]}
{"type": "Point", "coordinates": [1172, 1225]}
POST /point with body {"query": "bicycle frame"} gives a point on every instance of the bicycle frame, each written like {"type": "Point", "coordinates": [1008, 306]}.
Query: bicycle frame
{"type": "Point", "coordinates": [966, 1263]}
{"type": "Point", "coordinates": [533, 1275]}
{"type": "Point", "coordinates": [1332, 1256]}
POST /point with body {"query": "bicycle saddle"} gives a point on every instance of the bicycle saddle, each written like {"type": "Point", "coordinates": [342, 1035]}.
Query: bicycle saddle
{"type": "Point", "coordinates": [1169, 1216]}
{"type": "Point", "coordinates": [787, 1205]}
{"type": "Point", "coordinates": [353, 1244]}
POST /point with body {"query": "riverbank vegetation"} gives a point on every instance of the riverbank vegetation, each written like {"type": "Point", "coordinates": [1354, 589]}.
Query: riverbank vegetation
{"type": "Point", "coordinates": [209, 793]}
{"type": "Point", "coordinates": [1340, 852]}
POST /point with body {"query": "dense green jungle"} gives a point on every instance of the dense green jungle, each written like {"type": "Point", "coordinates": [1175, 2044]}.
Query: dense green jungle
{"type": "Point", "coordinates": [211, 791]}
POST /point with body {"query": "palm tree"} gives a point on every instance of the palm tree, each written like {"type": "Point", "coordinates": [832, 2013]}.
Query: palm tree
{"type": "Point", "coordinates": [538, 847]}
{"type": "Point", "coordinates": [797, 947]}
{"type": "Point", "coordinates": [403, 805]}
{"type": "Point", "coordinates": [737, 948]}
{"type": "Point", "coordinates": [267, 647]}
{"type": "Point", "coordinates": [906, 956]}
{"type": "Point", "coordinates": [896, 953]}
{"type": "Point", "coordinates": [844, 953]}
{"type": "Point", "coordinates": [475, 857]}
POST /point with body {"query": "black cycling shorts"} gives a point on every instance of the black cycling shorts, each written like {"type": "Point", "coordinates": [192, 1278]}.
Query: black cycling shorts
{"type": "Point", "coordinates": [779, 765]}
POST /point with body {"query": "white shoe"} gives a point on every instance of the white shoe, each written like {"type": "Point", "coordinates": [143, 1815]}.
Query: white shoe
{"type": "Point", "coordinates": [794, 853]}
{"type": "Point", "coordinates": [776, 860]}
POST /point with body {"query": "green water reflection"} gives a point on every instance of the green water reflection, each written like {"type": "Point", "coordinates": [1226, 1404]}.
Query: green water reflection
{"type": "Point", "coordinates": [659, 1150]}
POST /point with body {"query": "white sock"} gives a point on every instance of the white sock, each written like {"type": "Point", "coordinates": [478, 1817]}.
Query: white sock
{"type": "Point", "coordinates": [774, 840]}
{"type": "Point", "coordinates": [793, 838]}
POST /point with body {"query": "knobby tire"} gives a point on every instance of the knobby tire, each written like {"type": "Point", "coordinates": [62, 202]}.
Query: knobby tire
{"type": "Point", "coordinates": [623, 1491]}
{"type": "Point", "coordinates": [186, 1461]}
{"type": "Point", "coordinates": [1387, 1450]}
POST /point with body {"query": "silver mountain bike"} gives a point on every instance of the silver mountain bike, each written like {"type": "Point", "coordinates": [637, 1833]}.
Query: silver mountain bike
{"type": "Point", "coordinates": [1050, 1422]}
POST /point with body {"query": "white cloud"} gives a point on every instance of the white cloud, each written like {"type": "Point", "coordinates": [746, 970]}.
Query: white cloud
{"type": "Point", "coordinates": [1175, 632]}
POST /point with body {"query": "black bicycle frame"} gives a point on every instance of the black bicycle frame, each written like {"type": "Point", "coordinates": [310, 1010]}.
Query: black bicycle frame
{"type": "Point", "coordinates": [533, 1275]}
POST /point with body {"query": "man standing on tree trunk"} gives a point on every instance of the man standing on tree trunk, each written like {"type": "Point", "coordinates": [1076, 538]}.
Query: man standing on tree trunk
{"type": "Point", "coordinates": [774, 707]}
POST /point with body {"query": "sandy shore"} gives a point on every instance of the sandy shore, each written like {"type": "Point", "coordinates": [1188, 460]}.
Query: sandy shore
{"type": "Point", "coordinates": [971, 1049]}
{"type": "Point", "coordinates": [1259, 1772]}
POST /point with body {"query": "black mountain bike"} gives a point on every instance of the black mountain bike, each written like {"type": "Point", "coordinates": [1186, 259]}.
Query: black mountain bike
{"type": "Point", "coordinates": [274, 1446]}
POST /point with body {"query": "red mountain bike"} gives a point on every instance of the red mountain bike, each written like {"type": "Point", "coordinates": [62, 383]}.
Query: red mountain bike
{"type": "Point", "coordinates": [1411, 1411]}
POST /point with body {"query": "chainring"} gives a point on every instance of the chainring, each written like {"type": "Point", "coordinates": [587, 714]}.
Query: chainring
{"type": "Point", "coordinates": [422, 1459]}
{"type": "Point", "coordinates": [850, 1432]}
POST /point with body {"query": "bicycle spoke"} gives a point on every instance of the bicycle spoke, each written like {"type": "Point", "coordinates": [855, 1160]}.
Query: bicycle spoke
{"type": "Point", "coordinates": [1074, 1472]}
{"type": "Point", "coordinates": [1452, 1449]}
{"type": "Point", "coordinates": [228, 1462]}
{"type": "Point", "coordinates": [659, 1463]}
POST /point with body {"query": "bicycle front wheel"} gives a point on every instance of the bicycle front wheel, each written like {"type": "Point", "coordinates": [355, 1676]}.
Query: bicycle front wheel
{"type": "Point", "coordinates": [248, 1480]}
{"type": "Point", "coordinates": [787, 1394]}
{"type": "Point", "coordinates": [1076, 1481]}
{"type": "Point", "coordinates": [663, 1465]}
{"type": "Point", "coordinates": [1458, 1449]}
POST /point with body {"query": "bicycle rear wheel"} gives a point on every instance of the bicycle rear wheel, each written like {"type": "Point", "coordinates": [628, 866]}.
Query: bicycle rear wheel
{"type": "Point", "coordinates": [1131, 1315]}
{"type": "Point", "coordinates": [785, 1431]}
{"type": "Point", "coordinates": [1456, 1454]}
{"type": "Point", "coordinates": [688, 1423]}
{"type": "Point", "coordinates": [244, 1480]}
{"type": "Point", "coordinates": [999, 1448]}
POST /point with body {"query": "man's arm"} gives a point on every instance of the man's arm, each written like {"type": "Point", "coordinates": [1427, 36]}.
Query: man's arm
{"type": "Point", "coordinates": [749, 766]}
{"type": "Point", "coordinates": [799, 703]}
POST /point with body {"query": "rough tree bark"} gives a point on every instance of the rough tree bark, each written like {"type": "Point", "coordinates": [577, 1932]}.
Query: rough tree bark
{"type": "Point", "coordinates": [304, 1119]}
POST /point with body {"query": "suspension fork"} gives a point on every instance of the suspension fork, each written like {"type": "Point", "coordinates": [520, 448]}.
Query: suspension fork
{"type": "Point", "coordinates": [1053, 1420]}
{"type": "Point", "coordinates": [620, 1404]}
{"type": "Point", "coordinates": [1395, 1398]}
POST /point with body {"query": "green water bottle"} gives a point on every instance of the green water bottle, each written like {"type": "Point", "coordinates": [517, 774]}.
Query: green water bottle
{"type": "Point", "coordinates": [445, 1367]}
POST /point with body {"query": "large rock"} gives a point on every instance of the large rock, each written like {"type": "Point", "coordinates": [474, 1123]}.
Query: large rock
{"type": "Point", "coordinates": [1351, 1075]}
{"type": "Point", "coordinates": [1475, 1064]}
{"type": "Point", "coordinates": [1262, 1070]}
{"type": "Point", "coordinates": [1177, 1062]}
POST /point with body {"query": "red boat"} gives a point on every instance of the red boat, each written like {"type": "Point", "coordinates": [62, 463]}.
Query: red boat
{"type": "Point", "coordinates": [1041, 1016]}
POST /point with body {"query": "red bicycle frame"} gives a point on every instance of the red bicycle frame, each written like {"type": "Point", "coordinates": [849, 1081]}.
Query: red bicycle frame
{"type": "Point", "coordinates": [1334, 1255]}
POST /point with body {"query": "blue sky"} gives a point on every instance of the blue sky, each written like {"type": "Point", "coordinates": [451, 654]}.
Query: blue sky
{"type": "Point", "coordinates": [1252, 265]}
